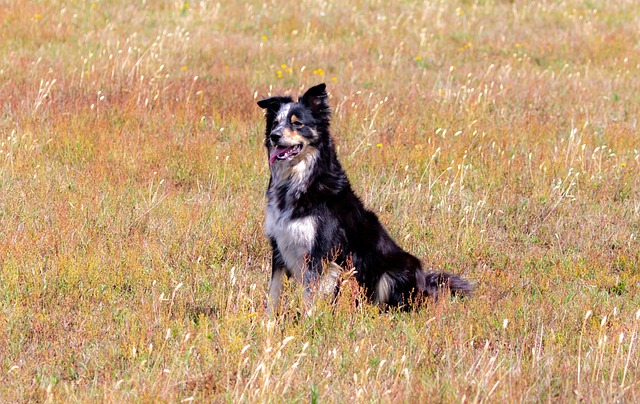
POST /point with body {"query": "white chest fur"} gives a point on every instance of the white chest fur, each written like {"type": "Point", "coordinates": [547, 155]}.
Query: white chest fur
{"type": "Point", "coordinates": [294, 237]}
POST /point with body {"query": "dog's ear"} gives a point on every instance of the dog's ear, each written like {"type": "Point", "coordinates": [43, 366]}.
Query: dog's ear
{"type": "Point", "coordinates": [316, 99]}
{"type": "Point", "coordinates": [272, 103]}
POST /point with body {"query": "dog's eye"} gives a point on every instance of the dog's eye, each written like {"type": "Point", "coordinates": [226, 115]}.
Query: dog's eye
{"type": "Point", "coordinates": [297, 124]}
{"type": "Point", "coordinates": [275, 123]}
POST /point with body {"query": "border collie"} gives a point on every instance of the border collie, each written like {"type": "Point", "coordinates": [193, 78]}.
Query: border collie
{"type": "Point", "coordinates": [318, 226]}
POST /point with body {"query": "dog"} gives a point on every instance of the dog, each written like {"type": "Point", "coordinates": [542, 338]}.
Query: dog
{"type": "Point", "coordinates": [318, 226]}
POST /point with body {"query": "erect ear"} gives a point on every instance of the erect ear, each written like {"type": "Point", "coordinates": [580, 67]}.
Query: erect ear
{"type": "Point", "coordinates": [316, 99]}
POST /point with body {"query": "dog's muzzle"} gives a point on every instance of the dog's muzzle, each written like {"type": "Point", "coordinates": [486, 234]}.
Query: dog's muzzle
{"type": "Point", "coordinates": [281, 153]}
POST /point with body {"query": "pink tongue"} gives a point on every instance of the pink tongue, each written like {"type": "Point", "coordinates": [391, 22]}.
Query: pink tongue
{"type": "Point", "coordinates": [276, 152]}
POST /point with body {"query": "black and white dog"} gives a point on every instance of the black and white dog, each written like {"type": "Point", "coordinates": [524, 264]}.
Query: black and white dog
{"type": "Point", "coordinates": [318, 226]}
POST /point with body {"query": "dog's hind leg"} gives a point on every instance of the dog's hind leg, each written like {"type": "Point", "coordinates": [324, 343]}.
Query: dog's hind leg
{"type": "Point", "coordinates": [384, 290]}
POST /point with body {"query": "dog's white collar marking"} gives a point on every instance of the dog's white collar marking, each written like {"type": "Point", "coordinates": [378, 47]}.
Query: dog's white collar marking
{"type": "Point", "coordinates": [301, 172]}
{"type": "Point", "coordinates": [296, 173]}
{"type": "Point", "coordinates": [294, 237]}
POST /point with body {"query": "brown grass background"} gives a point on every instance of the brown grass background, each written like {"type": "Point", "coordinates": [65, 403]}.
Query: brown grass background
{"type": "Point", "coordinates": [498, 140]}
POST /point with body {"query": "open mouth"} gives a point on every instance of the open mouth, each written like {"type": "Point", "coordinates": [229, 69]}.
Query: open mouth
{"type": "Point", "coordinates": [284, 153]}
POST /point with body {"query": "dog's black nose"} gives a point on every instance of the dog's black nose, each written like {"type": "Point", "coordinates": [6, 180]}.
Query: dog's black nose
{"type": "Point", "coordinates": [275, 137]}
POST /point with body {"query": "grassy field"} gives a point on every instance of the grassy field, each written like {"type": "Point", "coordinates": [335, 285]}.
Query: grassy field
{"type": "Point", "coordinates": [497, 140]}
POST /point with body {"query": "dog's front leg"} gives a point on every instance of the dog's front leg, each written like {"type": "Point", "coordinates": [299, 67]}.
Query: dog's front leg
{"type": "Point", "coordinates": [275, 288]}
{"type": "Point", "coordinates": [277, 274]}
{"type": "Point", "coordinates": [309, 282]}
{"type": "Point", "coordinates": [329, 283]}
{"type": "Point", "coordinates": [320, 280]}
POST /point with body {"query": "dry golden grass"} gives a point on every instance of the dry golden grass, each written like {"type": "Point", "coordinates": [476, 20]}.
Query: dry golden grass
{"type": "Point", "coordinates": [498, 140]}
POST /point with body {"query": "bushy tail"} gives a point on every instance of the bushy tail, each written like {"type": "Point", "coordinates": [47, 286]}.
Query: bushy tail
{"type": "Point", "coordinates": [436, 282]}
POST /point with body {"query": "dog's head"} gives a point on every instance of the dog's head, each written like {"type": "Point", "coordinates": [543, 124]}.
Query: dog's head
{"type": "Point", "coordinates": [294, 129]}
